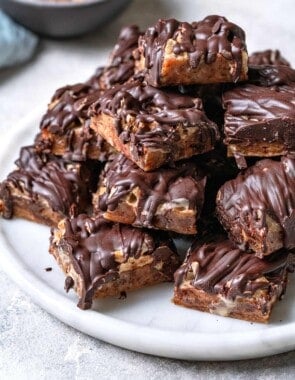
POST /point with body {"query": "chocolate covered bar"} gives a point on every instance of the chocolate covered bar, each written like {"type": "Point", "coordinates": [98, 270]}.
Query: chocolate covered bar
{"type": "Point", "coordinates": [45, 189]}
{"type": "Point", "coordinates": [267, 57]}
{"type": "Point", "coordinates": [169, 198]}
{"type": "Point", "coordinates": [152, 126]}
{"type": "Point", "coordinates": [258, 207]}
{"type": "Point", "coordinates": [260, 120]}
{"type": "Point", "coordinates": [209, 51]}
{"type": "Point", "coordinates": [123, 61]}
{"type": "Point", "coordinates": [218, 278]}
{"type": "Point", "coordinates": [65, 126]}
{"type": "Point", "coordinates": [101, 259]}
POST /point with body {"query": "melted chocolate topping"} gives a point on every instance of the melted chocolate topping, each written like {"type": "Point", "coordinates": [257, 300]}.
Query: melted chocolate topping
{"type": "Point", "coordinates": [207, 38]}
{"type": "Point", "coordinates": [184, 182]}
{"type": "Point", "coordinates": [226, 270]}
{"type": "Point", "coordinates": [267, 75]}
{"type": "Point", "coordinates": [69, 105]}
{"type": "Point", "coordinates": [127, 42]}
{"type": "Point", "coordinates": [54, 179]}
{"type": "Point", "coordinates": [67, 112]}
{"type": "Point", "coordinates": [92, 244]}
{"type": "Point", "coordinates": [268, 57]}
{"type": "Point", "coordinates": [267, 188]}
{"type": "Point", "coordinates": [260, 114]}
{"type": "Point", "coordinates": [122, 62]}
{"type": "Point", "coordinates": [155, 114]}
{"type": "Point", "coordinates": [63, 112]}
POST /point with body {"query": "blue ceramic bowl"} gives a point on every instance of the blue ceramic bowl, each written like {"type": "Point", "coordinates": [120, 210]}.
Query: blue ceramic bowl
{"type": "Point", "coordinates": [63, 18]}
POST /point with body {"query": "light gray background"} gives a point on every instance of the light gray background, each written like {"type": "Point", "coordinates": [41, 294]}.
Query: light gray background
{"type": "Point", "coordinates": [34, 345]}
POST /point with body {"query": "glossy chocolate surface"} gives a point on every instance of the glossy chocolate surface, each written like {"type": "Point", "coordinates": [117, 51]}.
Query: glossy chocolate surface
{"type": "Point", "coordinates": [60, 183]}
{"type": "Point", "coordinates": [69, 105]}
{"type": "Point", "coordinates": [154, 113]}
{"type": "Point", "coordinates": [66, 113]}
{"type": "Point", "coordinates": [265, 189]}
{"type": "Point", "coordinates": [184, 183]}
{"type": "Point", "coordinates": [260, 114]}
{"type": "Point", "coordinates": [267, 57]}
{"type": "Point", "coordinates": [92, 244]}
{"type": "Point", "coordinates": [268, 75]}
{"type": "Point", "coordinates": [201, 40]}
{"type": "Point", "coordinates": [122, 60]}
{"type": "Point", "coordinates": [221, 268]}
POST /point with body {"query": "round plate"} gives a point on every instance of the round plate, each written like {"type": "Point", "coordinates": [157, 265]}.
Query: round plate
{"type": "Point", "coordinates": [146, 321]}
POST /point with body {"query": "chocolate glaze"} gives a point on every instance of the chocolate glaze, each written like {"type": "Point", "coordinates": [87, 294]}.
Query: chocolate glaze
{"type": "Point", "coordinates": [91, 245]}
{"type": "Point", "coordinates": [62, 112]}
{"type": "Point", "coordinates": [146, 104]}
{"type": "Point", "coordinates": [267, 75]}
{"type": "Point", "coordinates": [69, 105]}
{"type": "Point", "coordinates": [226, 270]}
{"type": "Point", "coordinates": [66, 113]}
{"type": "Point", "coordinates": [126, 43]}
{"type": "Point", "coordinates": [122, 60]}
{"type": "Point", "coordinates": [207, 38]}
{"type": "Point", "coordinates": [61, 183]}
{"type": "Point", "coordinates": [95, 81]}
{"type": "Point", "coordinates": [267, 188]}
{"type": "Point", "coordinates": [183, 181]}
{"type": "Point", "coordinates": [267, 57]}
{"type": "Point", "coordinates": [260, 114]}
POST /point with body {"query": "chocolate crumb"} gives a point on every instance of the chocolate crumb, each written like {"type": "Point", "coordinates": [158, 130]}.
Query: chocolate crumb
{"type": "Point", "coordinates": [123, 296]}
{"type": "Point", "coordinates": [69, 283]}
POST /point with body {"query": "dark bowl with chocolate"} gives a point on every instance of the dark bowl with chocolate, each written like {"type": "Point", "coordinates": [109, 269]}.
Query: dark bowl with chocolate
{"type": "Point", "coordinates": [63, 18]}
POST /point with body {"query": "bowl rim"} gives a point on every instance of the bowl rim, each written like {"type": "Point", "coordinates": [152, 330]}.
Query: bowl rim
{"type": "Point", "coordinates": [60, 4]}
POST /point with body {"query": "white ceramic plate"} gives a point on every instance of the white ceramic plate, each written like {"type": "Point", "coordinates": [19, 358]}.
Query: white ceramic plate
{"type": "Point", "coordinates": [146, 321]}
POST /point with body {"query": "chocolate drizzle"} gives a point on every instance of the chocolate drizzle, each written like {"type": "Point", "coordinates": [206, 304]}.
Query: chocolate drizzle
{"type": "Point", "coordinates": [122, 65]}
{"type": "Point", "coordinates": [267, 75]}
{"type": "Point", "coordinates": [154, 115]}
{"type": "Point", "coordinates": [184, 183]}
{"type": "Point", "coordinates": [268, 57]}
{"type": "Point", "coordinates": [63, 112]}
{"type": "Point", "coordinates": [265, 189]}
{"type": "Point", "coordinates": [93, 243]}
{"type": "Point", "coordinates": [204, 39]}
{"type": "Point", "coordinates": [126, 43]}
{"type": "Point", "coordinates": [215, 265]}
{"type": "Point", "coordinates": [67, 117]}
{"type": "Point", "coordinates": [67, 113]}
{"type": "Point", "coordinates": [51, 178]}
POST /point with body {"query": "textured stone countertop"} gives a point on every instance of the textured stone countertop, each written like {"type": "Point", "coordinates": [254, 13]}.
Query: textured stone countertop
{"type": "Point", "coordinates": [35, 345]}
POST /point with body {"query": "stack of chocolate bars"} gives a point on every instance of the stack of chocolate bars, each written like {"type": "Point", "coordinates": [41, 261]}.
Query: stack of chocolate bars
{"type": "Point", "coordinates": [182, 134]}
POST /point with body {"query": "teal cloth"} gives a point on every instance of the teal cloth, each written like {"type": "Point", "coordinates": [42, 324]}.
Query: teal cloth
{"type": "Point", "coordinates": [17, 44]}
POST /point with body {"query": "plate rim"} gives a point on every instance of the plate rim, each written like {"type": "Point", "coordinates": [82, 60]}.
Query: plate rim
{"type": "Point", "coordinates": [148, 340]}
